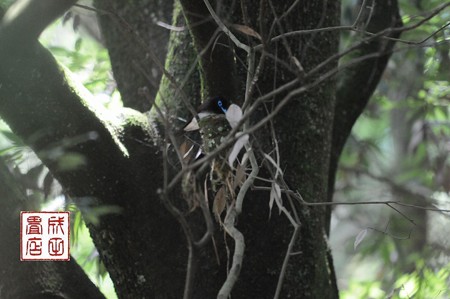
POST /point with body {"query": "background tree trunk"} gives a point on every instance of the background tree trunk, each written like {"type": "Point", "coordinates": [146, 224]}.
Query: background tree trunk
{"type": "Point", "coordinates": [137, 44]}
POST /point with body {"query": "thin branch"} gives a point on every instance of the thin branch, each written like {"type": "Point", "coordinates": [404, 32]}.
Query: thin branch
{"type": "Point", "coordinates": [407, 190]}
{"type": "Point", "coordinates": [250, 76]}
{"type": "Point", "coordinates": [385, 232]}
{"type": "Point", "coordinates": [231, 137]}
{"type": "Point", "coordinates": [336, 203]}
{"type": "Point", "coordinates": [26, 19]}
{"type": "Point", "coordinates": [249, 181]}
{"type": "Point", "coordinates": [225, 29]}
{"type": "Point", "coordinates": [401, 213]}
{"type": "Point", "coordinates": [289, 253]}
{"type": "Point", "coordinates": [358, 17]}
{"type": "Point", "coordinates": [387, 202]}
{"type": "Point", "coordinates": [229, 225]}
{"type": "Point", "coordinates": [189, 281]}
{"type": "Point", "coordinates": [209, 223]}
{"type": "Point", "coordinates": [433, 13]}
{"type": "Point", "coordinates": [408, 42]}
{"type": "Point", "coordinates": [238, 255]}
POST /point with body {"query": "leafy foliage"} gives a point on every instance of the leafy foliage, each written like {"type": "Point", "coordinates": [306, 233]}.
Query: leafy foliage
{"type": "Point", "coordinates": [89, 62]}
{"type": "Point", "coordinates": [399, 151]}
{"type": "Point", "coordinates": [424, 282]}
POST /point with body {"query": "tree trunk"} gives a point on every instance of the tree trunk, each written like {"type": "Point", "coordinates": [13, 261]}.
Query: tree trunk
{"type": "Point", "coordinates": [137, 45]}
{"type": "Point", "coordinates": [304, 134]}
{"type": "Point", "coordinates": [143, 246]}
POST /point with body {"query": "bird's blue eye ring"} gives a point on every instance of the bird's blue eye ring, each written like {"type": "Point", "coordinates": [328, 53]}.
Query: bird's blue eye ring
{"type": "Point", "coordinates": [221, 106]}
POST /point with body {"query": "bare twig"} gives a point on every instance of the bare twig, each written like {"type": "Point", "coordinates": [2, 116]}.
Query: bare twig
{"type": "Point", "coordinates": [360, 13]}
{"type": "Point", "coordinates": [286, 260]}
{"type": "Point", "coordinates": [433, 13]}
{"type": "Point", "coordinates": [224, 28]}
{"type": "Point", "coordinates": [231, 137]}
{"type": "Point", "coordinates": [349, 203]}
{"type": "Point", "coordinates": [238, 255]}
{"type": "Point", "coordinates": [385, 232]}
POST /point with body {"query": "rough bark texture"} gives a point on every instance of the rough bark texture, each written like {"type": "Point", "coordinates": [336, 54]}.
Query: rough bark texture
{"type": "Point", "coordinates": [49, 115]}
{"type": "Point", "coordinates": [304, 132]}
{"type": "Point", "coordinates": [304, 129]}
{"type": "Point", "coordinates": [216, 65]}
{"type": "Point", "coordinates": [143, 247]}
{"type": "Point", "coordinates": [137, 45]}
{"type": "Point", "coordinates": [183, 77]}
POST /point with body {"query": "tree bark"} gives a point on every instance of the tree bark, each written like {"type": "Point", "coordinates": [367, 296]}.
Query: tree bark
{"type": "Point", "coordinates": [49, 115]}
{"type": "Point", "coordinates": [143, 246]}
{"type": "Point", "coordinates": [304, 132]}
{"type": "Point", "coordinates": [137, 45]}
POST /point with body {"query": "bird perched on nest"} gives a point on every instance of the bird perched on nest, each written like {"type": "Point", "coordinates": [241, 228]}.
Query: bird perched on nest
{"type": "Point", "coordinates": [216, 117]}
{"type": "Point", "coordinates": [214, 106]}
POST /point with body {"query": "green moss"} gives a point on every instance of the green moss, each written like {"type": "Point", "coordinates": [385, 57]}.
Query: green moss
{"type": "Point", "coordinates": [180, 57]}
{"type": "Point", "coordinates": [109, 118]}
{"type": "Point", "coordinates": [131, 117]}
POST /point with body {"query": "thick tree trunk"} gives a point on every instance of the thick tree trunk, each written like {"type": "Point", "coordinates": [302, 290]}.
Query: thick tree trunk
{"type": "Point", "coordinates": [304, 133]}
{"type": "Point", "coordinates": [137, 44]}
{"type": "Point", "coordinates": [143, 247]}
{"type": "Point", "coordinates": [48, 114]}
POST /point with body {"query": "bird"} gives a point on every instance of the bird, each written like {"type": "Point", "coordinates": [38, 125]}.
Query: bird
{"type": "Point", "coordinates": [217, 105]}
{"type": "Point", "coordinates": [215, 119]}
{"type": "Point", "coordinates": [214, 108]}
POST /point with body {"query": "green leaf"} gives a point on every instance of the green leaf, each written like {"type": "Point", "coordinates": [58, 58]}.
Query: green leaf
{"type": "Point", "coordinates": [78, 43]}
{"type": "Point", "coordinates": [71, 161]}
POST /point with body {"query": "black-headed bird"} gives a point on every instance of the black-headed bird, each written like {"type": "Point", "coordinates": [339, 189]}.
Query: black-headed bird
{"type": "Point", "coordinates": [216, 117]}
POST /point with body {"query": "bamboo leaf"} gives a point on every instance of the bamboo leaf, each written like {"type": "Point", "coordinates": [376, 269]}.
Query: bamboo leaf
{"type": "Point", "coordinates": [246, 30]}
{"type": "Point", "coordinates": [219, 203]}
{"type": "Point", "coordinates": [238, 145]}
{"type": "Point", "coordinates": [272, 161]}
{"type": "Point", "coordinates": [48, 181]}
{"type": "Point", "coordinates": [275, 196]}
{"type": "Point", "coordinates": [361, 235]}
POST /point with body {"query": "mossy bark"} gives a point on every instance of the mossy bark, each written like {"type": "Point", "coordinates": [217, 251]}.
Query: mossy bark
{"type": "Point", "coordinates": [303, 131]}
{"type": "Point", "coordinates": [143, 246]}
{"type": "Point", "coordinates": [182, 82]}
{"type": "Point", "coordinates": [119, 162]}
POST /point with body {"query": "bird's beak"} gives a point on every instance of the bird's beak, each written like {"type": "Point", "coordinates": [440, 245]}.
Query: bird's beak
{"type": "Point", "coordinates": [192, 126]}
